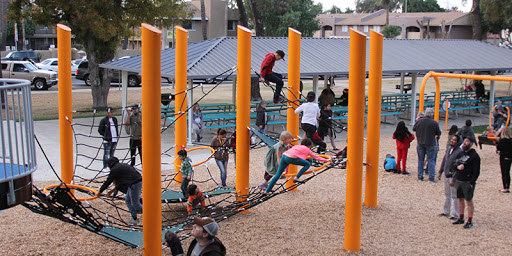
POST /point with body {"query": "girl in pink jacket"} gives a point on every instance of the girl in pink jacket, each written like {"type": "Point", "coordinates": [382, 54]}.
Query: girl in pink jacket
{"type": "Point", "coordinates": [296, 155]}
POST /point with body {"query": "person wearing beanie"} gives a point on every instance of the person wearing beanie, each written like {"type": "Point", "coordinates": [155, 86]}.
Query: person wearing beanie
{"type": "Point", "coordinates": [205, 243]}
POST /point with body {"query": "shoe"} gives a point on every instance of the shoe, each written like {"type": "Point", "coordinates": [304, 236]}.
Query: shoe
{"type": "Point", "coordinates": [335, 149]}
{"type": "Point", "coordinates": [406, 173]}
{"type": "Point", "coordinates": [458, 221]}
{"type": "Point", "coordinates": [262, 187]}
{"type": "Point", "coordinates": [281, 99]}
{"type": "Point", "coordinates": [420, 179]}
{"type": "Point", "coordinates": [433, 181]}
{"type": "Point", "coordinates": [298, 181]}
{"type": "Point", "coordinates": [133, 222]}
{"type": "Point", "coordinates": [105, 170]}
{"type": "Point", "coordinates": [443, 215]}
{"type": "Point", "coordinates": [505, 191]}
{"type": "Point", "coordinates": [395, 171]}
{"type": "Point", "coordinates": [469, 224]}
{"type": "Point", "coordinates": [453, 218]}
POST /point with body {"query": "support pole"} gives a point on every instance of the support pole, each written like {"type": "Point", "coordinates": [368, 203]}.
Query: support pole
{"type": "Point", "coordinates": [151, 177]}
{"type": "Point", "coordinates": [243, 112]}
{"type": "Point", "coordinates": [355, 140]}
{"type": "Point", "coordinates": [413, 97]}
{"type": "Point", "coordinates": [180, 107]}
{"type": "Point", "coordinates": [65, 103]}
{"type": "Point", "coordinates": [373, 135]}
{"type": "Point", "coordinates": [292, 119]}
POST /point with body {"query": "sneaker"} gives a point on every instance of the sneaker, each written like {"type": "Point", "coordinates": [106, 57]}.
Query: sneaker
{"type": "Point", "coordinates": [505, 191]}
{"type": "Point", "coordinates": [458, 221]}
{"type": "Point", "coordinates": [105, 170]}
{"type": "Point", "coordinates": [420, 179]}
{"type": "Point", "coordinates": [133, 222]}
{"type": "Point", "coordinates": [469, 224]}
{"type": "Point", "coordinates": [453, 218]}
{"type": "Point", "coordinates": [443, 215]}
{"type": "Point", "coordinates": [433, 181]}
{"type": "Point", "coordinates": [262, 187]}
{"type": "Point", "coordinates": [406, 173]}
{"type": "Point", "coordinates": [281, 99]}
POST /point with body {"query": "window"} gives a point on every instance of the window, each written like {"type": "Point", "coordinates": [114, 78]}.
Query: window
{"type": "Point", "coordinates": [232, 25]}
{"type": "Point", "coordinates": [188, 25]}
{"type": "Point", "coordinates": [18, 68]}
{"type": "Point", "coordinates": [365, 28]}
{"type": "Point", "coordinates": [376, 28]}
{"type": "Point", "coordinates": [354, 27]}
{"type": "Point", "coordinates": [4, 66]}
{"type": "Point", "coordinates": [344, 28]}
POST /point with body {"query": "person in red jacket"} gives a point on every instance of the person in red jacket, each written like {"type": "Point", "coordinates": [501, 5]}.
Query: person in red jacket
{"type": "Point", "coordinates": [269, 76]}
{"type": "Point", "coordinates": [403, 141]}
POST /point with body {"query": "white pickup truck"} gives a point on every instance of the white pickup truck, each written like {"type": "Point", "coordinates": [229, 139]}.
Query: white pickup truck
{"type": "Point", "coordinates": [41, 79]}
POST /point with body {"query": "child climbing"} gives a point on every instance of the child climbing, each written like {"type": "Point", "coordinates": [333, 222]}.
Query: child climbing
{"type": "Point", "coordinates": [403, 142]}
{"type": "Point", "coordinates": [296, 155]}
{"type": "Point", "coordinates": [273, 157]}
{"type": "Point", "coordinates": [186, 171]}
{"type": "Point", "coordinates": [195, 196]}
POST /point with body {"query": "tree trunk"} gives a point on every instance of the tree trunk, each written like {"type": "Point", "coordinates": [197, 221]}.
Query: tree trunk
{"type": "Point", "coordinates": [100, 78]}
{"type": "Point", "coordinates": [258, 21]}
{"type": "Point", "coordinates": [3, 26]}
{"type": "Point", "coordinates": [255, 89]}
{"type": "Point", "coordinates": [387, 12]}
{"type": "Point", "coordinates": [203, 20]}
{"type": "Point", "coordinates": [477, 21]}
{"type": "Point", "coordinates": [243, 14]}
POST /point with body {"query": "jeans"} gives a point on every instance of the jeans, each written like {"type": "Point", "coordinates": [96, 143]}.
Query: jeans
{"type": "Point", "coordinates": [285, 161]}
{"type": "Point", "coordinates": [278, 80]}
{"type": "Point", "coordinates": [184, 187]}
{"type": "Point", "coordinates": [430, 152]}
{"type": "Point", "coordinates": [132, 199]}
{"type": "Point", "coordinates": [134, 145]}
{"type": "Point", "coordinates": [223, 166]}
{"type": "Point", "coordinates": [262, 131]}
{"type": "Point", "coordinates": [109, 149]}
{"type": "Point", "coordinates": [450, 195]}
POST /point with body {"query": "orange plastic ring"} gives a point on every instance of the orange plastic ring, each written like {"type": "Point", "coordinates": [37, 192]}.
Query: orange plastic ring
{"type": "Point", "coordinates": [492, 111]}
{"type": "Point", "coordinates": [192, 149]}
{"type": "Point", "coordinates": [96, 195]}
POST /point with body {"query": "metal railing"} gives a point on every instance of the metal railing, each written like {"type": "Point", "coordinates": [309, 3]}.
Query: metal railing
{"type": "Point", "coordinates": [17, 145]}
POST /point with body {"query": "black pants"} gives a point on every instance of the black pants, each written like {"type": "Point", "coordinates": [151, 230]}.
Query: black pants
{"type": "Point", "coordinates": [134, 145]}
{"type": "Point", "coordinates": [310, 132]}
{"type": "Point", "coordinates": [278, 80]}
{"type": "Point", "coordinates": [184, 187]}
{"type": "Point", "coordinates": [505, 171]}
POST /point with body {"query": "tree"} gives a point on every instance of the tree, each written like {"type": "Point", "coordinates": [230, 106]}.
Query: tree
{"type": "Point", "coordinates": [278, 15]}
{"type": "Point", "coordinates": [369, 6]}
{"type": "Point", "coordinates": [497, 14]}
{"type": "Point", "coordinates": [257, 18]}
{"type": "Point", "coordinates": [348, 10]}
{"type": "Point", "coordinates": [100, 25]}
{"type": "Point", "coordinates": [243, 14]}
{"type": "Point", "coordinates": [423, 6]}
{"type": "Point", "coordinates": [478, 31]}
{"type": "Point", "coordinates": [30, 28]}
{"type": "Point", "coordinates": [334, 9]}
{"type": "Point", "coordinates": [391, 31]}
{"type": "Point", "coordinates": [203, 20]}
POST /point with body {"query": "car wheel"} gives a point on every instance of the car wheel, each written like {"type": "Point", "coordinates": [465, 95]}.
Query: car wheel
{"type": "Point", "coordinates": [133, 81]}
{"type": "Point", "coordinates": [87, 80]}
{"type": "Point", "coordinates": [40, 84]}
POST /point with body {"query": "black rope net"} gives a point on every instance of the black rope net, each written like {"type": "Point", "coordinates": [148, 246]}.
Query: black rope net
{"type": "Point", "coordinates": [95, 215]}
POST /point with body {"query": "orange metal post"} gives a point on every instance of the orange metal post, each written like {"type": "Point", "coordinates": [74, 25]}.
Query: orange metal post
{"type": "Point", "coordinates": [151, 183]}
{"type": "Point", "coordinates": [65, 103]}
{"type": "Point", "coordinates": [243, 112]}
{"type": "Point", "coordinates": [422, 91]}
{"type": "Point", "coordinates": [292, 119]}
{"type": "Point", "coordinates": [355, 140]}
{"type": "Point", "coordinates": [373, 135]}
{"type": "Point", "coordinates": [446, 115]}
{"type": "Point", "coordinates": [437, 100]}
{"type": "Point", "coordinates": [180, 109]}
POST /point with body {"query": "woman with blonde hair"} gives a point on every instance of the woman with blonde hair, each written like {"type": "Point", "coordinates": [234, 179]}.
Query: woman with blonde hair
{"type": "Point", "coordinates": [504, 148]}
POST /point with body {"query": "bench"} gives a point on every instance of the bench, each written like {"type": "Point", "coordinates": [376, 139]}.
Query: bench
{"type": "Point", "coordinates": [466, 108]}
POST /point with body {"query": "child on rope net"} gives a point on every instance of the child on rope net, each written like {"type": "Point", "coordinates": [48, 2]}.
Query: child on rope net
{"type": "Point", "coordinates": [195, 196]}
{"type": "Point", "coordinates": [296, 155]}
{"type": "Point", "coordinates": [273, 157]}
{"type": "Point", "coordinates": [186, 171]}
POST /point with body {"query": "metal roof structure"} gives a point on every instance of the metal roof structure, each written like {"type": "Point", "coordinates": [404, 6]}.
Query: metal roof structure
{"type": "Point", "coordinates": [330, 56]}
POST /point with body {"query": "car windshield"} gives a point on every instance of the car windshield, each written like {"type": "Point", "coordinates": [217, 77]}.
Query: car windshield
{"type": "Point", "coordinates": [46, 62]}
{"type": "Point", "coordinates": [30, 66]}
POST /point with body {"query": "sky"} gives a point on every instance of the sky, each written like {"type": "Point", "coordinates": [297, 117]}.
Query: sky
{"type": "Point", "coordinates": [342, 4]}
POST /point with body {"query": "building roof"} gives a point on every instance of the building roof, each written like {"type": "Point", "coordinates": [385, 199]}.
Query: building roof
{"type": "Point", "coordinates": [379, 18]}
{"type": "Point", "coordinates": [330, 56]}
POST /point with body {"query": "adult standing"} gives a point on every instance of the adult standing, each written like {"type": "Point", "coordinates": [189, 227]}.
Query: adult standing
{"type": "Point", "coordinates": [127, 180]}
{"type": "Point", "coordinates": [504, 148]}
{"type": "Point", "coordinates": [221, 146]}
{"type": "Point", "coordinates": [466, 174]}
{"type": "Point", "coordinates": [326, 96]}
{"type": "Point", "coordinates": [205, 241]}
{"type": "Point", "coordinates": [269, 76]}
{"type": "Point", "coordinates": [197, 124]}
{"type": "Point", "coordinates": [447, 167]}
{"type": "Point", "coordinates": [427, 129]}
{"type": "Point", "coordinates": [133, 125]}
{"type": "Point", "coordinates": [310, 114]}
{"type": "Point", "coordinates": [108, 128]}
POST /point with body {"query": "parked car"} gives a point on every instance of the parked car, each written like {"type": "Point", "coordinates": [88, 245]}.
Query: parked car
{"type": "Point", "coordinates": [41, 79]}
{"type": "Point", "coordinates": [21, 55]}
{"type": "Point", "coordinates": [52, 65]}
{"type": "Point", "coordinates": [82, 73]}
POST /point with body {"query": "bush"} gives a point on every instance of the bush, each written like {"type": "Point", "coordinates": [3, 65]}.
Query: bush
{"type": "Point", "coordinates": [391, 31]}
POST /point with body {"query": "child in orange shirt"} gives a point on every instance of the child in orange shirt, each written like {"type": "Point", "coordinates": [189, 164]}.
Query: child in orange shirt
{"type": "Point", "coordinates": [195, 196]}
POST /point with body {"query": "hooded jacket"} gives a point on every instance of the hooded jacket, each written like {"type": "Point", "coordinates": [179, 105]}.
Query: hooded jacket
{"type": "Point", "coordinates": [215, 248]}
{"type": "Point", "coordinates": [471, 171]}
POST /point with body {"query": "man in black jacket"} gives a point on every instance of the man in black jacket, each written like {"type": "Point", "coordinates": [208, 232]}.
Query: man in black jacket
{"type": "Point", "coordinates": [205, 242]}
{"type": "Point", "coordinates": [109, 130]}
{"type": "Point", "coordinates": [466, 174]}
{"type": "Point", "coordinates": [127, 180]}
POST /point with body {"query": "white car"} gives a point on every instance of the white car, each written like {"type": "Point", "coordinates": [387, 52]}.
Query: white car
{"type": "Point", "coordinates": [52, 65]}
